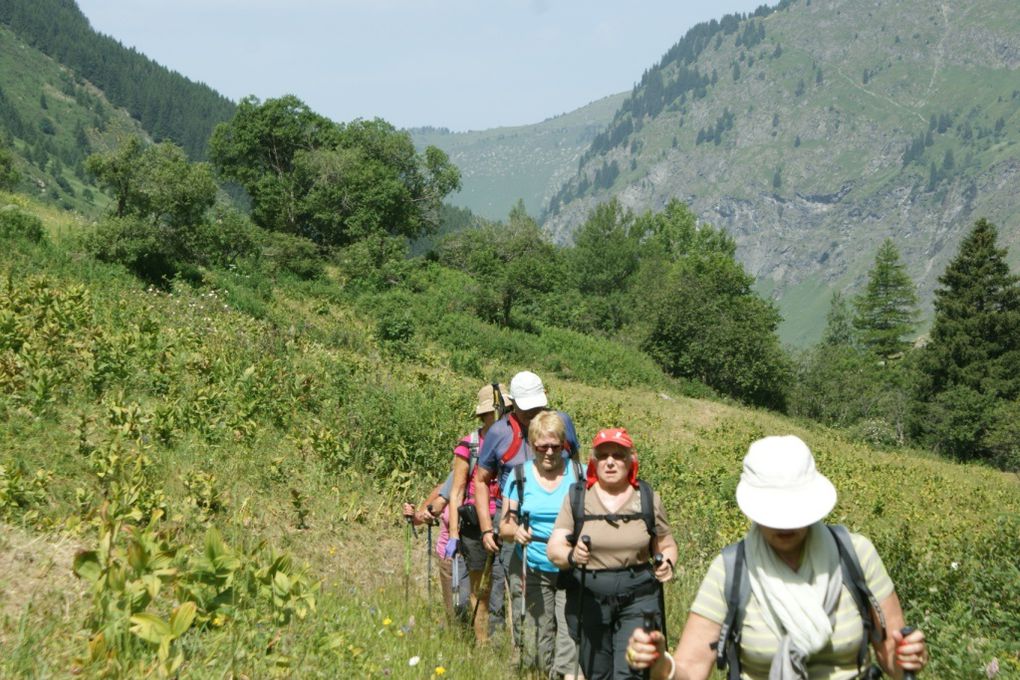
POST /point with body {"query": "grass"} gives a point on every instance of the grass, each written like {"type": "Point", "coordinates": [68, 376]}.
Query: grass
{"type": "Point", "coordinates": [298, 434]}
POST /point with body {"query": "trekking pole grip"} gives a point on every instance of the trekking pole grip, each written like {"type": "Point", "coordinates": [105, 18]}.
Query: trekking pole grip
{"type": "Point", "coordinates": [908, 675]}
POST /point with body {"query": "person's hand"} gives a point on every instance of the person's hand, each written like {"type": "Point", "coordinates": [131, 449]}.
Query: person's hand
{"type": "Point", "coordinates": [580, 553]}
{"type": "Point", "coordinates": [408, 511]}
{"type": "Point", "coordinates": [644, 648]}
{"type": "Point", "coordinates": [424, 516]}
{"type": "Point", "coordinates": [911, 651]}
{"type": "Point", "coordinates": [664, 572]}
{"type": "Point", "coordinates": [522, 536]}
{"type": "Point", "coordinates": [451, 547]}
{"type": "Point", "coordinates": [489, 541]}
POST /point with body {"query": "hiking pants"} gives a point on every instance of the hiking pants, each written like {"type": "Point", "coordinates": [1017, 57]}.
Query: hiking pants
{"type": "Point", "coordinates": [512, 564]}
{"type": "Point", "coordinates": [547, 643]}
{"type": "Point", "coordinates": [613, 601]}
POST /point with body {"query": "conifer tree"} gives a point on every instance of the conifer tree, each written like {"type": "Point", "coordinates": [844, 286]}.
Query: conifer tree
{"type": "Point", "coordinates": [886, 312]}
{"type": "Point", "coordinates": [969, 373]}
{"type": "Point", "coordinates": [839, 330]}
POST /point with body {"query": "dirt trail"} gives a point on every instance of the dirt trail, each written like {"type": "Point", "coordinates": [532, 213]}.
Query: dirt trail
{"type": "Point", "coordinates": [35, 569]}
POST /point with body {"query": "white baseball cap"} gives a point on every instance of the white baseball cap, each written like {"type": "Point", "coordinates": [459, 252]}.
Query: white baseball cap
{"type": "Point", "coordinates": [527, 391]}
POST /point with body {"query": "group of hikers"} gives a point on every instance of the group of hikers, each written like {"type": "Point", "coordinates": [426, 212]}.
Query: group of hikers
{"type": "Point", "coordinates": [583, 552]}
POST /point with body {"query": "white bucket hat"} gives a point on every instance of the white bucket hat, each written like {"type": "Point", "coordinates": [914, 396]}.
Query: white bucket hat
{"type": "Point", "coordinates": [527, 391]}
{"type": "Point", "coordinates": [780, 487]}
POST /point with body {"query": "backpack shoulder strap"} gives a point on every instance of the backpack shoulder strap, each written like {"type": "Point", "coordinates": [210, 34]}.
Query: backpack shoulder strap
{"type": "Point", "coordinates": [473, 444]}
{"type": "Point", "coordinates": [647, 506]}
{"type": "Point", "coordinates": [737, 589]}
{"type": "Point", "coordinates": [578, 473]}
{"type": "Point", "coordinates": [519, 481]}
{"type": "Point", "coordinates": [515, 442]}
{"type": "Point", "coordinates": [577, 491]}
{"type": "Point", "coordinates": [856, 583]}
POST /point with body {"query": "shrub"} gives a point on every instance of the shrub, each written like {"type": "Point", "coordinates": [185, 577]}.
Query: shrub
{"type": "Point", "coordinates": [291, 254]}
{"type": "Point", "coordinates": [135, 243]}
{"type": "Point", "coordinates": [16, 223]}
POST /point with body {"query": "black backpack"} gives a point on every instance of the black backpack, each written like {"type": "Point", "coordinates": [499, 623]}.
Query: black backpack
{"type": "Point", "coordinates": [738, 591]}
{"type": "Point", "coordinates": [647, 513]}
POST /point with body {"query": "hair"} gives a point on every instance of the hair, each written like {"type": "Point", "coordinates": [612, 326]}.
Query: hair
{"type": "Point", "coordinates": [547, 423]}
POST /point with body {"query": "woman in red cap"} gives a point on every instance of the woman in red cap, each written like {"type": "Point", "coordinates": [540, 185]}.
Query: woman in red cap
{"type": "Point", "coordinates": [606, 533]}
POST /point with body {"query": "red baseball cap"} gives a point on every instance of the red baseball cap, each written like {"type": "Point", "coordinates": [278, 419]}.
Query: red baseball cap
{"type": "Point", "coordinates": [612, 435]}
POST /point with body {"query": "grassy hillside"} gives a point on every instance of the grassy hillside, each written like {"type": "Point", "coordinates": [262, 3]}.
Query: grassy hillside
{"type": "Point", "coordinates": [54, 119]}
{"type": "Point", "coordinates": [813, 132]}
{"type": "Point", "coordinates": [224, 463]}
{"type": "Point", "coordinates": [501, 165]}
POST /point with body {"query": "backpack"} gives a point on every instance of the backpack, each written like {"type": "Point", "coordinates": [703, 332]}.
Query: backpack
{"type": "Point", "coordinates": [738, 591]}
{"type": "Point", "coordinates": [577, 494]}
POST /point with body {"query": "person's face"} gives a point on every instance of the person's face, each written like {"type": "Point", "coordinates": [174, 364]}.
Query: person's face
{"type": "Point", "coordinates": [612, 463]}
{"type": "Point", "coordinates": [786, 542]}
{"type": "Point", "coordinates": [548, 452]}
{"type": "Point", "coordinates": [524, 417]}
{"type": "Point", "coordinates": [487, 419]}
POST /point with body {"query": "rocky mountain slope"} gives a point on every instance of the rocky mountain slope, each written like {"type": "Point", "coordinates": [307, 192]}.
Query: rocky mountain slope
{"type": "Point", "coordinates": [528, 162]}
{"type": "Point", "coordinates": [813, 131]}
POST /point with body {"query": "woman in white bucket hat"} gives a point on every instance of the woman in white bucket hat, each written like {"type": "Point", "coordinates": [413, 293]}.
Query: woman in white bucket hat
{"type": "Point", "coordinates": [804, 601]}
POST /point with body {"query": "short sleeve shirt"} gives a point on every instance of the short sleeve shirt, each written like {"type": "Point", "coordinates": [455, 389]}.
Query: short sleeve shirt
{"type": "Point", "coordinates": [542, 507]}
{"type": "Point", "coordinates": [838, 660]}
{"type": "Point", "coordinates": [498, 440]}
{"type": "Point", "coordinates": [623, 545]}
{"type": "Point", "coordinates": [463, 450]}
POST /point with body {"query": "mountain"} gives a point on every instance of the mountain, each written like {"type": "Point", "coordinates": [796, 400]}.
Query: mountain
{"type": "Point", "coordinates": [528, 162]}
{"type": "Point", "coordinates": [52, 119]}
{"type": "Point", "coordinates": [813, 130]}
{"type": "Point", "coordinates": [168, 105]}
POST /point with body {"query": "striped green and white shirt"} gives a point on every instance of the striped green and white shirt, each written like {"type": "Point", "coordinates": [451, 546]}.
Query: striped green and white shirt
{"type": "Point", "coordinates": [837, 661]}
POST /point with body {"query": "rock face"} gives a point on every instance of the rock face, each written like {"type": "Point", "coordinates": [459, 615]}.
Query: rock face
{"type": "Point", "coordinates": [836, 124]}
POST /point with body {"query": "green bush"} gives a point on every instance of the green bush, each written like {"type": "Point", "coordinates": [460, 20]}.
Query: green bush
{"type": "Point", "coordinates": [137, 244]}
{"type": "Point", "coordinates": [291, 254]}
{"type": "Point", "coordinates": [16, 223]}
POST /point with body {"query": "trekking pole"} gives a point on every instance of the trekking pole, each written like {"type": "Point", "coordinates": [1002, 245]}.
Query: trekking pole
{"type": "Point", "coordinates": [658, 560]}
{"type": "Point", "coordinates": [908, 675]}
{"type": "Point", "coordinates": [407, 557]}
{"type": "Point", "coordinates": [526, 523]}
{"type": "Point", "coordinates": [649, 624]}
{"type": "Point", "coordinates": [580, 607]}
{"type": "Point", "coordinates": [429, 543]}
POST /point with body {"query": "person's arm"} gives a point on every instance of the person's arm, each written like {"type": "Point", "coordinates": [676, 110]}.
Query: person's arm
{"type": "Point", "coordinates": [508, 524]}
{"type": "Point", "coordinates": [483, 477]}
{"type": "Point", "coordinates": [558, 549]}
{"type": "Point", "coordinates": [693, 658]}
{"type": "Point", "coordinates": [896, 654]}
{"type": "Point", "coordinates": [460, 473]}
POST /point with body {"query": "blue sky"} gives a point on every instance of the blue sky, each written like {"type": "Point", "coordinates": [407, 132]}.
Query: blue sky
{"type": "Point", "coordinates": [461, 64]}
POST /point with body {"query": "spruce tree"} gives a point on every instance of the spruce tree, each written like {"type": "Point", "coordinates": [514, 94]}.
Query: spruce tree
{"type": "Point", "coordinates": [969, 373]}
{"type": "Point", "coordinates": [886, 312]}
{"type": "Point", "coordinates": [839, 329]}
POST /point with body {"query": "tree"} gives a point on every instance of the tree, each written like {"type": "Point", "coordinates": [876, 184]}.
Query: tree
{"type": "Point", "coordinates": [514, 264]}
{"type": "Point", "coordinates": [156, 182]}
{"type": "Point", "coordinates": [969, 372]}
{"type": "Point", "coordinates": [886, 311]}
{"type": "Point", "coordinates": [9, 175]}
{"type": "Point", "coordinates": [605, 252]}
{"type": "Point", "coordinates": [839, 330]}
{"type": "Point", "coordinates": [334, 184]}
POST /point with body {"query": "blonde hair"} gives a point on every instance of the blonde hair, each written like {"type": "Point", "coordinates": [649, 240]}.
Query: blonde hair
{"type": "Point", "coordinates": [547, 423]}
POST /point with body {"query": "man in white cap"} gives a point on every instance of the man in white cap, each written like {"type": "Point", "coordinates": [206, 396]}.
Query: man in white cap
{"type": "Point", "coordinates": [506, 446]}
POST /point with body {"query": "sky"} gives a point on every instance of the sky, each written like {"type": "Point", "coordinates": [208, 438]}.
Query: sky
{"type": "Point", "coordinates": [459, 64]}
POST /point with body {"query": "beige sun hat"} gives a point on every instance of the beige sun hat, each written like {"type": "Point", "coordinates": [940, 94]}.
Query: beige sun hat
{"type": "Point", "coordinates": [487, 399]}
{"type": "Point", "coordinates": [780, 486]}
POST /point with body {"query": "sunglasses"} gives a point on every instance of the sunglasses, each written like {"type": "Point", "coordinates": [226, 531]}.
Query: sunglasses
{"type": "Point", "coordinates": [619, 456]}
{"type": "Point", "coordinates": [546, 448]}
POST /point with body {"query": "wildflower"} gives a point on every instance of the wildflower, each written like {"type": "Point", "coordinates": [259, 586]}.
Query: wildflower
{"type": "Point", "coordinates": [414, 661]}
{"type": "Point", "coordinates": [440, 670]}
{"type": "Point", "coordinates": [992, 669]}
{"type": "Point", "coordinates": [954, 565]}
{"type": "Point", "coordinates": [400, 633]}
{"type": "Point", "coordinates": [387, 621]}
{"type": "Point", "coordinates": [219, 620]}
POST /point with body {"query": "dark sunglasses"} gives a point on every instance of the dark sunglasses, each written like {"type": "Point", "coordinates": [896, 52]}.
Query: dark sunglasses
{"type": "Point", "coordinates": [546, 448]}
{"type": "Point", "coordinates": [616, 455]}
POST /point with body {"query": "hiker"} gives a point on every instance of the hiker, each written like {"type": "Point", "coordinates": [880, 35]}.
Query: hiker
{"type": "Point", "coordinates": [465, 530]}
{"type": "Point", "coordinates": [801, 599]}
{"type": "Point", "coordinates": [606, 532]}
{"type": "Point", "coordinates": [532, 498]}
{"type": "Point", "coordinates": [505, 446]}
{"type": "Point", "coordinates": [453, 577]}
